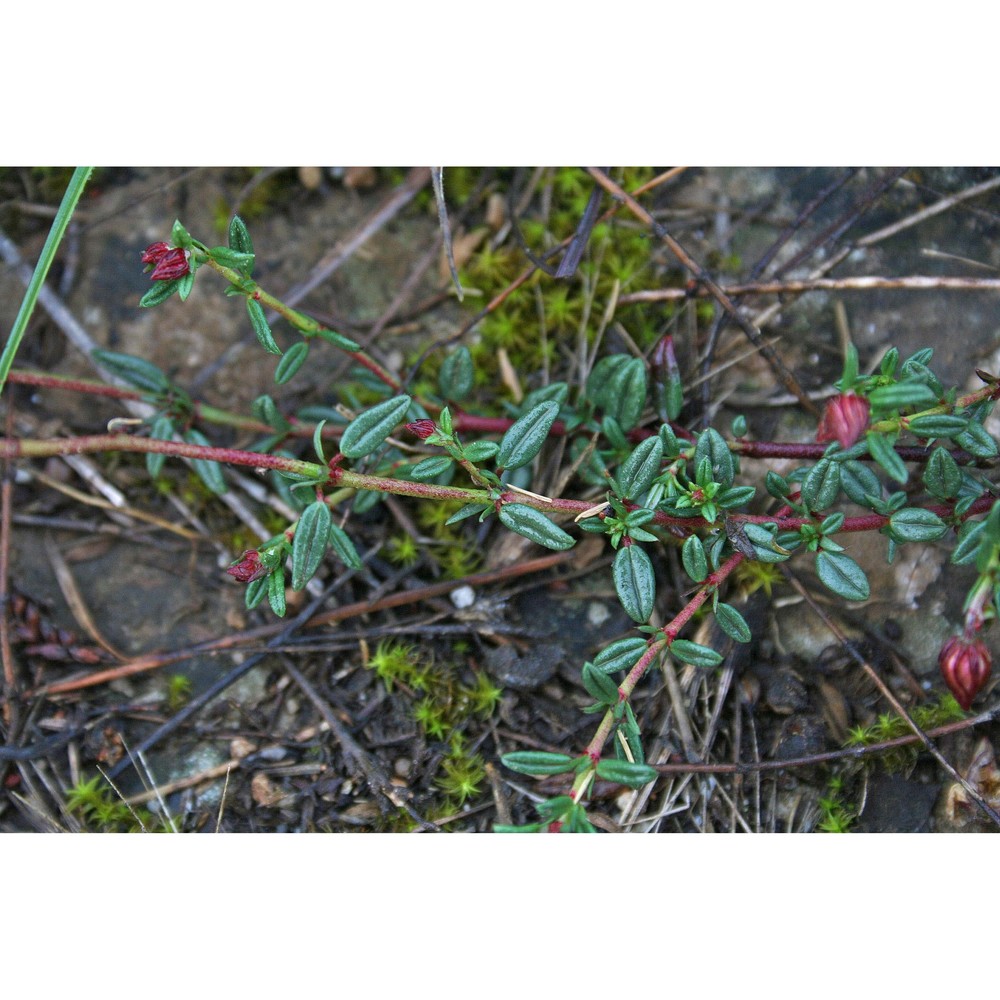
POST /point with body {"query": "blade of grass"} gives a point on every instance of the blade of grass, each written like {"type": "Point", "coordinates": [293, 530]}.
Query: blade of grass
{"type": "Point", "coordinates": [73, 192]}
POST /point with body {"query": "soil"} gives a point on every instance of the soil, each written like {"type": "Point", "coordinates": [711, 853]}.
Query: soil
{"type": "Point", "coordinates": [305, 735]}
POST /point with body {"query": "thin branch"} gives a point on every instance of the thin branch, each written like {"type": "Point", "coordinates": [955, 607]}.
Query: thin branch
{"type": "Point", "coordinates": [918, 282]}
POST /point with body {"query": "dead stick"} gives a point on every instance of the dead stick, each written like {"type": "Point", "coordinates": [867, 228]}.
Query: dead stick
{"type": "Point", "coordinates": [917, 282]}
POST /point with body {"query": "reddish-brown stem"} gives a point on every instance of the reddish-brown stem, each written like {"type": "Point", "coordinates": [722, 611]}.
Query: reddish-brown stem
{"type": "Point", "coordinates": [656, 645]}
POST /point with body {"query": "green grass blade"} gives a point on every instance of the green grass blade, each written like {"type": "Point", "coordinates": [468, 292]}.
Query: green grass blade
{"type": "Point", "coordinates": [76, 185]}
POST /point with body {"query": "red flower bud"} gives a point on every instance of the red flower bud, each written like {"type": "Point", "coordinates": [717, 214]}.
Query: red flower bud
{"type": "Point", "coordinates": [422, 429]}
{"type": "Point", "coordinates": [248, 567]}
{"type": "Point", "coordinates": [845, 419]}
{"type": "Point", "coordinates": [153, 253]}
{"type": "Point", "coordinates": [965, 665]}
{"type": "Point", "coordinates": [173, 263]}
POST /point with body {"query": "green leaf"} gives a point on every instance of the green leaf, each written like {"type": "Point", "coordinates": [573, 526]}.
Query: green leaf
{"type": "Point", "coordinates": [369, 429]}
{"type": "Point", "coordinates": [634, 582]}
{"type": "Point", "coordinates": [821, 485]}
{"type": "Point", "coordinates": [343, 547]}
{"type": "Point", "coordinates": [733, 623]}
{"type": "Point", "coordinates": [895, 397]}
{"type": "Point", "coordinates": [179, 236]}
{"type": "Point", "coordinates": [525, 437]}
{"type": "Point", "coordinates": [914, 524]}
{"type": "Point", "coordinates": [976, 440]}
{"type": "Point", "coordinates": [312, 535]}
{"type": "Point", "coordinates": [858, 481]}
{"type": "Point", "coordinates": [599, 685]}
{"type": "Point", "coordinates": [627, 393]}
{"type": "Point", "coordinates": [255, 593]}
{"type": "Point", "coordinates": [266, 411]}
{"type": "Point", "coordinates": [317, 439]}
{"type": "Point", "coordinates": [210, 473]}
{"type": "Point", "coordinates": [850, 377]}
{"type": "Point", "coordinates": [890, 362]}
{"type": "Point", "coordinates": [538, 762]}
{"type": "Point", "coordinates": [624, 772]}
{"type": "Point", "coordinates": [185, 284]}
{"type": "Point", "coordinates": [239, 236]}
{"type": "Point", "coordinates": [237, 260]}
{"type": "Point", "coordinates": [469, 510]}
{"type": "Point", "coordinates": [162, 430]}
{"type": "Point", "coordinates": [480, 451]}
{"type": "Point", "coordinates": [138, 372]}
{"type": "Point", "coordinates": [766, 548]}
{"type": "Point", "coordinates": [160, 292]}
{"type": "Point", "coordinates": [735, 496]}
{"type": "Point", "coordinates": [291, 362]}
{"type": "Point", "coordinates": [456, 375]}
{"type": "Point", "coordinates": [712, 445]}
{"type": "Point", "coordinates": [601, 376]}
{"type": "Point", "coordinates": [693, 557]}
{"type": "Point", "coordinates": [777, 485]}
{"type": "Point", "coordinates": [339, 340]}
{"type": "Point", "coordinates": [556, 392]}
{"type": "Point", "coordinates": [535, 525]}
{"type": "Point", "coordinates": [261, 327]}
{"type": "Point", "coordinates": [695, 653]}
{"type": "Point", "coordinates": [276, 591]}
{"type": "Point", "coordinates": [971, 535]}
{"type": "Point", "coordinates": [880, 447]}
{"type": "Point", "coordinates": [942, 476]}
{"type": "Point", "coordinates": [842, 575]}
{"type": "Point", "coordinates": [641, 467]}
{"type": "Point", "coordinates": [942, 425]}
{"type": "Point", "coordinates": [623, 654]}
{"type": "Point", "coordinates": [431, 468]}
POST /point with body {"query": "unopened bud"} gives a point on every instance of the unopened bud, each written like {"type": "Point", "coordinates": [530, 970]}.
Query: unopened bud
{"type": "Point", "coordinates": [844, 420]}
{"type": "Point", "coordinates": [248, 567]}
{"type": "Point", "coordinates": [965, 665]}
{"type": "Point", "coordinates": [422, 429]}
{"type": "Point", "coordinates": [172, 264]}
{"type": "Point", "coordinates": [154, 252]}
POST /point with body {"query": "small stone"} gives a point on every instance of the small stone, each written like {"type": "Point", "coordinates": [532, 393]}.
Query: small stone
{"type": "Point", "coordinates": [597, 613]}
{"type": "Point", "coordinates": [463, 597]}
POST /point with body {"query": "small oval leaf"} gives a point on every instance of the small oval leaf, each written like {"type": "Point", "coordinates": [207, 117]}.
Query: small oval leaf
{"type": "Point", "coordinates": [535, 525]}
{"type": "Point", "coordinates": [635, 582]}
{"type": "Point", "coordinates": [525, 437]}
{"type": "Point", "coordinates": [623, 654]}
{"type": "Point", "coordinates": [456, 375]}
{"type": "Point", "coordinates": [914, 524]}
{"type": "Point", "coordinates": [369, 429]}
{"type": "Point", "coordinates": [695, 653]}
{"type": "Point", "coordinates": [625, 772]}
{"type": "Point", "coordinates": [239, 236]}
{"type": "Point", "coordinates": [344, 548]}
{"type": "Point", "coordinates": [842, 575]}
{"type": "Point", "coordinates": [292, 360]}
{"type": "Point", "coordinates": [881, 449]}
{"type": "Point", "coordinates": [538, 762]}
{"type": "Point", "coordinates": [641, 467]}
{"type": "Point", "coordinates": [430, 468]}
{"type": "Point", "coordinates": [712, 445]}
{"type": "Point", "coordinates": [138, 372]}
{"type": "Point", "coordinates": [261, 327]}
{"type": "Point", "coordinates": [312, 535]}
{"type": "Point", "coordinates": [821, 485]}
{"type": "Point", "coordinates": [693, 557]}
{"type": "Point", "coordinates": [732, 623]}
